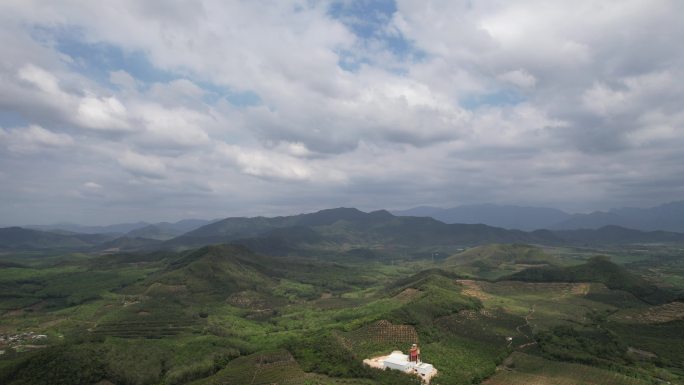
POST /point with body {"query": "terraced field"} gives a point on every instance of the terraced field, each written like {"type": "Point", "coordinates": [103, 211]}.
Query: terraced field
{"type": "Point", "coordinates": [379, 337]}
{"type": "Point", "coordinates": [656, 314]}
{"type": "Point", "coordinates": [262, 368]}
{"type": "Point", "coordinates": [491, 326]}
{"type": "Point", "coordinates": [383, 332]}
{"type": "Point", "coordinates": [144, 329]}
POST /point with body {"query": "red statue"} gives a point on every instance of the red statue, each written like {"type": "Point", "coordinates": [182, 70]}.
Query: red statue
{"type": "Point", "coordinates": [414, 353]}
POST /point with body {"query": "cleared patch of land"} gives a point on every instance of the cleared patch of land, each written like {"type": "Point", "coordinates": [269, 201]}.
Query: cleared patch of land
{"type": "Point", "coordinates": [379, 336]}
{"type": "Point", "coordinates": [656, 314]}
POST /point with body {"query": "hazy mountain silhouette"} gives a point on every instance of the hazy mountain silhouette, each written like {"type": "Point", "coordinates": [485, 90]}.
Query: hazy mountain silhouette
{"type": "Point", "coordinates": [668, 217]}
{"type": "Point", "coordinates": [506, 216]}
{"type": "Point", "coordinates": [665, 217]}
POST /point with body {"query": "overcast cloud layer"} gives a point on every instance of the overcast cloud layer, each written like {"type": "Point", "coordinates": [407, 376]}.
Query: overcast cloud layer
{"type": "Point", "coordinates": [161, 110]}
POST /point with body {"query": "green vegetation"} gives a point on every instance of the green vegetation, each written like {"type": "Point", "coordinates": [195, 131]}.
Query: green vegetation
{"type": "Point", "coordinates": [525, 369]}
{"type": "Point", "coordinates": [496, 260]}
{"type": "Point", "coordinates": [598, 269]}
{"type": "Point", "coordinates": [225, 315]}
{"type": "Point", "coordinates": [585, 345]}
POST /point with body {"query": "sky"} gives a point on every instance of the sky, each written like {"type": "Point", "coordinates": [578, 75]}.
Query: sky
{"type": "Point", "coordinates": [114, 111]}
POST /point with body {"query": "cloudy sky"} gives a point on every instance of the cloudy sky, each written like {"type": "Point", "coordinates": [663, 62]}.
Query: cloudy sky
{"type": "Point", "coordinates": [125, 110]}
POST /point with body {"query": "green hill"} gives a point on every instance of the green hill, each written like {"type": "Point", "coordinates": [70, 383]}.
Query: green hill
{"type": "Point", "coordinates": [213, 271]}
{"type": "Point", "coordinates": [344, 229]}
{"type": "Point", "coordinates": [495, 260]}
{"type": "Point", "coordinates": [597, 269]}
{"type": "Point", "coordinates": [497, 254]}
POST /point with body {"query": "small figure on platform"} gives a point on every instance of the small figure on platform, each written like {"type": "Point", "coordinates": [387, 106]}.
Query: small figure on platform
{"type": "Point", "coordinates": [414, 353]}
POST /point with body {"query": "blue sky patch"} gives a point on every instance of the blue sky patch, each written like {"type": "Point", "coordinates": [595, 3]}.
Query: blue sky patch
{"type": "Point", "coordinates": [10, 119]}
{"type": "Point", "coordinates": [366, 18]}
{"type": "Point", "coordinates": [97, 60]}
{"type": "Point", "coordinates": [369, 20]}
{"type": "Point", "coordinates": [235, 97]}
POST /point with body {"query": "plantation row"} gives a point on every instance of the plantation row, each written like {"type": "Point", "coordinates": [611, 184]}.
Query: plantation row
{"type": "Point", "coordinates": [384, 332]}
{"type": "Point", "coordinates": [152, 329]}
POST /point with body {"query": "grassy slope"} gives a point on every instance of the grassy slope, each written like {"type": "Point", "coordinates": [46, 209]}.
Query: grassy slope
{"type": "Point", "coordinates": [496, 260]}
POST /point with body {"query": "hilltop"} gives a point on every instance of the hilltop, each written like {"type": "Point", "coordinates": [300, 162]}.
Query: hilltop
{"type": "Point", "coordinates": [213, 271]}
{"type": "Point", "coordinates": [495, 260]}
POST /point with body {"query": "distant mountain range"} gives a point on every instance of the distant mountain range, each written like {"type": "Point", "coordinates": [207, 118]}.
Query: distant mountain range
{"type": "Point", "coordinates": [353, 230]}
{"type": "Point", "coordinates": [18, 238]}
{"type": "Point", "coordinates": [161, 230]}
{"type": "Point", "coordinates": [165, 230]}
{"type": "Point", "coordinates": [666, 217]}
{"type": "Point", "coordinates": [119, 228]}
{"type": "Point", "coordinates": [343, 228]}
{"type": "Point", "coordinates": [346, 231]}
{"type": "Point", "coordinates": [506, 216]}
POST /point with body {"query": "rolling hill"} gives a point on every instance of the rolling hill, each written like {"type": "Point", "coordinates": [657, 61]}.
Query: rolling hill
{"type": "Point", "coordinates": [597, 269]}
{"type": "Point", "coordinates": [214, 270]}
{"type": "Point", "coordinates": [341, 230]}
{"type": "Point", "coordinates": [165, 230]}
{"type": "Point", "coordinates": [497, 254]}
{"type": "Point", "coordinates": [347, 229]}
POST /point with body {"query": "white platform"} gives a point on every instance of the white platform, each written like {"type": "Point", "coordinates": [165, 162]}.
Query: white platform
{"type": "Point", "coordinates": [400, 361]}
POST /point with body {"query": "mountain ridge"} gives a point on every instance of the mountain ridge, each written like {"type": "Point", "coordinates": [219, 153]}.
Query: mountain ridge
{"type": "Point", "coordinates": [336, 230]}
{"type": "Point", "coordinates": [665, 217]}
{"type": "Point", "coordinates": [507, 216]}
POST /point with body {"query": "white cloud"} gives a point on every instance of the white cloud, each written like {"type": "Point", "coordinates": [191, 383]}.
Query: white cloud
{"type": "Point", "coordinates": [90, 110]}
{"type": "Point", "coordinates": [124, 80]}
{"type": "Point", "coordinates": [41, 79]}
{"type": "Point", "coordinates": [519, 77]}
{"type": "Point", "coordinates": [297, 149]}
{"type": "Point", "coordinates": [33, 139]}
{"type": "Point", "coordinates": [279, 166]}
{"type": "Point", "coordinates": [255, 100]}
{"type": "Point", "coordinates": [92, 186]}
{"type": "Point", "coordinates": [106, 113]}
{"type": "Point", "coordinates": [143, 165]}
{"type": "Point", "coordinates": [163, 127]}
